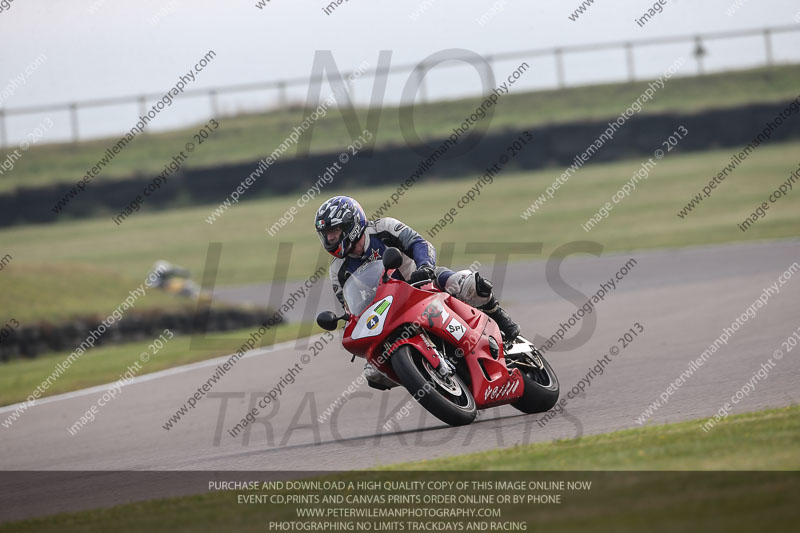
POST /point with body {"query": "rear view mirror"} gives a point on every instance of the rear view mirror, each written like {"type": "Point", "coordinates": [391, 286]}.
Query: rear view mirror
{"type": "Point", "coordinates": [392, 258]}
{"type": "Point", "coordinates": [328, 320]}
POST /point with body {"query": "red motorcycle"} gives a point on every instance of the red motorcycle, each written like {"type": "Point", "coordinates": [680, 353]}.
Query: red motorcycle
{"type": "Point", "coordinates": [447, 354]}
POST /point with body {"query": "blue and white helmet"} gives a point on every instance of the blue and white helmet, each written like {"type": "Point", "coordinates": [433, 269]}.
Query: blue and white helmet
{"type": "Point", "coordinates": [344, 212]}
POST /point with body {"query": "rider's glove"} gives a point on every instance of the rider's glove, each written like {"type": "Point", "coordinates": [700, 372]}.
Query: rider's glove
{"type": "Point", "coordinates": [423, 273]}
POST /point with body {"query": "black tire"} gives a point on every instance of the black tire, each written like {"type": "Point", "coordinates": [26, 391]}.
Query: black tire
{"type": "Point", "coordinates": [541, 387]}
{"type": "Point", "coordinates": [456, 410]}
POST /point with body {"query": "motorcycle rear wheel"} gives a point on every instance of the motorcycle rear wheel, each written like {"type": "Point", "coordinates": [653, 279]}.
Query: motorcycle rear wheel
{"type": "Point", "coordinates": [448, 399]}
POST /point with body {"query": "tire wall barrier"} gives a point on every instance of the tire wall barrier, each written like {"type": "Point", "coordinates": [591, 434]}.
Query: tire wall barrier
{"type": "Point", "coordinates": [32, 340]}
{"type": "Point", "coordinates": [553, 145]}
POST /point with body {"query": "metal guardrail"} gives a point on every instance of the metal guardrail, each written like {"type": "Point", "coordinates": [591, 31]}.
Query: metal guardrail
{"type": "Point", "coordinates": [419, 69]}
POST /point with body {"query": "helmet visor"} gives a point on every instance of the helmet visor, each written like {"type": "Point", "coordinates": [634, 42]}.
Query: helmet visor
{"type": "Point", "coordinates": [331, 245]}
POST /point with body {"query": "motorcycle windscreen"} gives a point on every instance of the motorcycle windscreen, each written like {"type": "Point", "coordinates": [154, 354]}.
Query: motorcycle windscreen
{"type": "Point", "coordinates": [360, 288]}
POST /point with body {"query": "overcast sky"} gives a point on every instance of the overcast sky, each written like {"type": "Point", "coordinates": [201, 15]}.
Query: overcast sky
{"type": "Point", "coordinates": [100, 48]}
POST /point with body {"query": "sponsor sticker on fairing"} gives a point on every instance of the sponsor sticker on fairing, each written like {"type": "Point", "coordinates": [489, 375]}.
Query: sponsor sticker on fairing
{"type": "Point", "coordinates": [456, 329]}
{"type": "Point", "coordinates": [497, 392]}
{"type": "Point", "coordinates": [373, 319]}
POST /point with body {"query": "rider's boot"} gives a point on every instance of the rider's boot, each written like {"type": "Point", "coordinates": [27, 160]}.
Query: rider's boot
{"type": "Point", "coordinates": [508, 327]}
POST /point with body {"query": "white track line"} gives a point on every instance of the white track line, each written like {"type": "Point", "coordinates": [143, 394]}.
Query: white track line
{"type": "Point", "coordinates": [154, 375]}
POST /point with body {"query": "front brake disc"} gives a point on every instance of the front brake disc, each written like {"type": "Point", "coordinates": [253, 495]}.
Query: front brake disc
{"type": "Point", "coordinates": [451, 385]}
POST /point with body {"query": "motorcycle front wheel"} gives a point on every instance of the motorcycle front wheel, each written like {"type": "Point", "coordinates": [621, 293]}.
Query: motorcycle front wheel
{"type": "Point", "coordinates": [446, 398]}
{"type": "Point", "coordinates": [540, 381]}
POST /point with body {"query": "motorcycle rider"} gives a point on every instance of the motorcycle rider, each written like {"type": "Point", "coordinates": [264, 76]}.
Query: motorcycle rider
{"type": "Point", "coordinates": [352, 240]}
{"type": "Point", "coordinates": [174, 279]}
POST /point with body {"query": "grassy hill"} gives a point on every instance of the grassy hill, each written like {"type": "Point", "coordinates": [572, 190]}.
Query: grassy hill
{"type": "Point", "coordinates": [248, 137]}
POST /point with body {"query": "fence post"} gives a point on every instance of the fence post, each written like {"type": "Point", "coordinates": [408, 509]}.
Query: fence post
{"type": "Point", "coordinates": [559, 57]}
{"type": "Point", "coordinates": [699, 53]}
{"type": "Point", "coordinates": [768, 46]}
{"type": "Point", "coordinates": [630, 61]}
{"type": "Point", "coordinates": [73, 115]}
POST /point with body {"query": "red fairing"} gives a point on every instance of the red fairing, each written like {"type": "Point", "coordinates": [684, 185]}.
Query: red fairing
{"type": "Point", "coordinates": [377, 333]}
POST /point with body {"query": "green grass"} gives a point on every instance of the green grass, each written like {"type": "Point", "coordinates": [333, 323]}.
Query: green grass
{"type": "Point", "coordinates": [634, 501]}
{"type": "Point", "coordinates": [646, 219]}
{"type": "Point", "coordinates": [105, 364]}
{"type": "Point", "coordinates": [248, 137]}
{"type": "Point", "coordinates": [762, 440]}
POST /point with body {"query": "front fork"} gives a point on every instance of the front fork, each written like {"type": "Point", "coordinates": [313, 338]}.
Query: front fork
{"type": "Point", "coordinates": [520, 348]}
{"type": "Point", "coordinates": [421, 342]}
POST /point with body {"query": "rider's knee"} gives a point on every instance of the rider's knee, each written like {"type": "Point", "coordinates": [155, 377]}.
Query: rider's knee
{"type": "Point", "coordinates": [464, 286]}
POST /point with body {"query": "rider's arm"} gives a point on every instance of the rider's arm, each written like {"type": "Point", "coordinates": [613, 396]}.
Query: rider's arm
{"type": "Point", "coordinates": [333, 271]}
{"type": "Point", "coordinates": [407, 240]}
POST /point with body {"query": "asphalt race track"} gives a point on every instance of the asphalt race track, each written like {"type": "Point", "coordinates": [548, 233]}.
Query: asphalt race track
{"type": "Point", "coordinates": [682, 298]}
